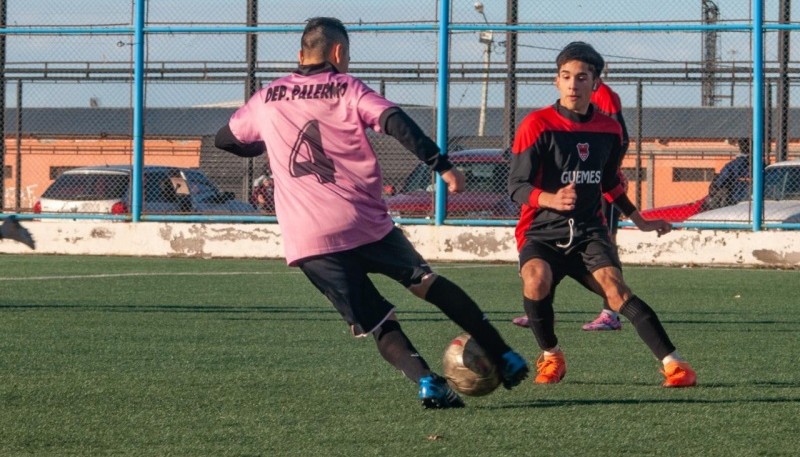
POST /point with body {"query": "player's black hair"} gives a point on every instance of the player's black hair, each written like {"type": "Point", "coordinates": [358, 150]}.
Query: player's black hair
{"type": "Point", "coordinates": [582, 52]}
{"type": "Point", "coordinates": [321, 33]}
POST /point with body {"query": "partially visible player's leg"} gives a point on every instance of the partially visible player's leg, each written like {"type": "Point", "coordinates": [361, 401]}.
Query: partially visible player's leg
{"type": "Point", "coordinates": [395, 347]}
{"type": "Point", "coordinates": [608, 319]}
{"type": "Point", "coordinates": [538, 290]}
{"type": "Point", "coordinates": [11, 229]}
{"type": "Point", "coordinates": [394, 256]}
{"type": "Point", "coordinates": [677, 371]}
{"type": "Point", "coordinates": [342, 278]}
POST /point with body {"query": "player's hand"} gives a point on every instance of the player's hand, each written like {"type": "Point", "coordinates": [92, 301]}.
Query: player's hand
{"type": "Point", "coordinates": [660, 226]}
{"type": "Point", "coordinates": [454, 178]}
{"type": "Point", "coordinates": [563, 200]}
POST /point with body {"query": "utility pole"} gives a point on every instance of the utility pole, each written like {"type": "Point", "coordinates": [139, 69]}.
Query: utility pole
{"type": "Point", "coordinates": [250, 86]}
{"type": "Point", "coordinates": [781, 146]}
{"type": "Point", "coordinates": [710, 17]}
{"type": "Point", "coordinates": [485, 37]}
{"type": "Point", "coordinates": [510, 111]}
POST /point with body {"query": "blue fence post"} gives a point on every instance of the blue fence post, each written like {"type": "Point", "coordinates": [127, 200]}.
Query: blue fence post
{"type": "Point", "coordinates": [138, 110]}
{"type": "Point", "coordinates": [757, 148]}
{"type": "Point", "coordinates": [440, 204]}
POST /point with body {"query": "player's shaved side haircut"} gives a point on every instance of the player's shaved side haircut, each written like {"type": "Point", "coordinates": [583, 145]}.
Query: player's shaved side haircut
{"type": "Point", "coordinates": [582, 52]}
{"type": "Point", "coordinates": [321, 33]}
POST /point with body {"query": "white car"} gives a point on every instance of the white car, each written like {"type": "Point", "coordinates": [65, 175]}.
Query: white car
{"type": "Point", "coordinates": [781, 198]}
{"type": "Point", "coordinates": [167, 190]}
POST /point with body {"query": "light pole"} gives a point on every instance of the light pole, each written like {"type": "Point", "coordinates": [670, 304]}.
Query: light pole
{"type": "Point", "coordinates": [485, 37]}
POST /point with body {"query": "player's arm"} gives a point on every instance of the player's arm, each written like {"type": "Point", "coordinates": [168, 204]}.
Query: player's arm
{"type": "Point", "coordinates": [523, 169]}
{"type": "Point", "coordinates": [395, 122]}
{"type": "Point", "coordinates": [520, 177]}
{"type": "Point", "coordinates": [227, 141]}
{"type": "Point", "coordinates": [614, 192]}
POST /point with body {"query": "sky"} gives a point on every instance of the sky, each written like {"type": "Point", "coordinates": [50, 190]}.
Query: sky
{"type": "Point", "coordinates": [402, 49]}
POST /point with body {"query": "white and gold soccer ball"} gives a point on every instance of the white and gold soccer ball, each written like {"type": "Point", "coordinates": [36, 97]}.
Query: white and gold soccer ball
{"type": "Point", "coordinates": [468, 369]}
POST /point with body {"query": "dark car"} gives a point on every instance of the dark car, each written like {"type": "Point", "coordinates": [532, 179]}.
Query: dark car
{"type": "Point", "coordinates": [486, 195]}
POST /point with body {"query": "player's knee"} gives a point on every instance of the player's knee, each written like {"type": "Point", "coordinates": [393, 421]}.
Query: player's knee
{"type": "Point", "coordinates": [421, 288]}
{"type": "Point", "coordinates": [536, 282]}
{"type": "Point", "coordinates": [536, 287]}
{"type": "Point", "coordinates": [536, 290]}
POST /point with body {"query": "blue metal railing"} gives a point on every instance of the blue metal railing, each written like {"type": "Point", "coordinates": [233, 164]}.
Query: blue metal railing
{"type": "Point", "coordinates": [140, 30]}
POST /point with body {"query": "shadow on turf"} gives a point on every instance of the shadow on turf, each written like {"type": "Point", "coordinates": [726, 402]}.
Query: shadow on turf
{"type": "Point", "coordinates": [632, 401]}
{"type": "Point", "coordinates": [325, 312]}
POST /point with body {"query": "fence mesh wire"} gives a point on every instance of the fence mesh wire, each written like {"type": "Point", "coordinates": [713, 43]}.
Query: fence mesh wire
{"type": "Point", "coordinates": [687, 94]}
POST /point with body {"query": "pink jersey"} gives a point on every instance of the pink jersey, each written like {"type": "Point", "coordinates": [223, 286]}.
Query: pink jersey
{"type": "Point", "coordinates": [328, 182]}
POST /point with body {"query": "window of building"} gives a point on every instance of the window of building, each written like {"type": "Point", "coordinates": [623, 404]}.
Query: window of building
{"type": "Point", "coordinates": [692, 174]}
{"type": "Point", "coordinates": [630, 174]}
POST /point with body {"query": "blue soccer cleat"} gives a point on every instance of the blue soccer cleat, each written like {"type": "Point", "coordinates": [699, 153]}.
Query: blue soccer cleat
{"type": "Point", "coordinates": [435, 393]}
{"type": "Point", "coordinates": [515, 369]}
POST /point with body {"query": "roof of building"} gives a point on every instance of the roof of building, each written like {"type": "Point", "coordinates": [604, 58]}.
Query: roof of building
{"type": "Point", "coordinates": [673, 123]}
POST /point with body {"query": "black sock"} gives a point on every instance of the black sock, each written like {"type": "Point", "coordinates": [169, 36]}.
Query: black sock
{"type": "Point", "coordinates": [397, 349]}
{"type": "Point", "coordinates": [461, 309]}
{"type": "Point", "coordinates": [542, 321]}
{"type": "Point", "coordinates": [648, 326]}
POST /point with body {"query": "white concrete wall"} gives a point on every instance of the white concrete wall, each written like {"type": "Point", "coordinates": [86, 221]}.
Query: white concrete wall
{"type": "Point", "coordinates": [447, 243]}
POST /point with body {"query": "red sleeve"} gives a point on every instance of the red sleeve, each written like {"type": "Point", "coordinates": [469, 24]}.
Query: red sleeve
{"type": "Point", "coordinates": [606, 100]}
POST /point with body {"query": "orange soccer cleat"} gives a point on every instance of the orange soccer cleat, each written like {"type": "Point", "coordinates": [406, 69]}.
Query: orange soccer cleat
{"type": "Point", "coordinates": [679, 374]}
{"type": "Point", "coordinates": [551, 368]}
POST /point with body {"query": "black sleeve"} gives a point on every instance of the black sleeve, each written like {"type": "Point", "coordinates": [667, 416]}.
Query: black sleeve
{"type": "Point", "coordinates": [395, 122]}
{"type": "Point", "coordinates": [522, 169]}
{"type": "Point", "coordinates": [626, 140]}
{"type": "Point", "coordinates": [624, 204]}
{"type": "Point", "coordinates": [225, 140]}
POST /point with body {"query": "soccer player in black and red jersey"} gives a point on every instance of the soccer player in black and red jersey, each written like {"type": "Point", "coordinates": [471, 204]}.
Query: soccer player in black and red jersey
{"type": "Point", "coordinates": [564, 157]}
{"type": "Point", "coordinates": [608, 102]}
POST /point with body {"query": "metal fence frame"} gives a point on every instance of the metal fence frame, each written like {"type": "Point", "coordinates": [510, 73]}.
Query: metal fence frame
{"type": "Point", "coordinates": [140, 30]}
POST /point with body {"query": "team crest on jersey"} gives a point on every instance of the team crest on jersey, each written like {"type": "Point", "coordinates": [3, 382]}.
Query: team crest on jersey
{"type": "Point", "coordinates": [583, 151]}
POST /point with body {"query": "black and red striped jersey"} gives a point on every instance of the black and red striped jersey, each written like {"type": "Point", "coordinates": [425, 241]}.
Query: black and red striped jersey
{"type": "Point", "coordinates": [552, 148]}
{"type": "Point", "coordinates": [608, 102]}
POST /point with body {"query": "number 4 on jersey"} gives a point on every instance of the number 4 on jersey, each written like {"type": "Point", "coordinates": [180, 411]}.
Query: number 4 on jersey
{"type": "Point", "coordinates": [308, 157]}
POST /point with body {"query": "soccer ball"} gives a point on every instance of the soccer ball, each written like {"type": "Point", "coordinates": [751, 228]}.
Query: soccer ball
{"type": "Point", "coordinates": [468, 369]}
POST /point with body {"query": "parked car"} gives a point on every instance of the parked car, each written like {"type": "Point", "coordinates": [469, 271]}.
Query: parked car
{"type": "Point", "coordinates": [781, 198]}
{"type": "Point", "coordinates": [486, 195]}
{"type": "Point", "coordinates": [674, 213]}
{"type": "Point", "coordinates": [106, 190]}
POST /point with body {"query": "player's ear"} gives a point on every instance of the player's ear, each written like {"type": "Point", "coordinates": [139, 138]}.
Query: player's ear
{"type": "Point", "coordinates": [336, 53]}
{"type": "Point", "coordinates": [339, 53]}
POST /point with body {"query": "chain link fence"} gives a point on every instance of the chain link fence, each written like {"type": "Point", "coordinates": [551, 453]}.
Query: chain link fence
{"type": "Point", "coordinates": [686, 73]}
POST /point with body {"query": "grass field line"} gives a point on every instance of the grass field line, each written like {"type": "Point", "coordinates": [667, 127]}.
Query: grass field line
{"type": "Point", "coordinates": [141, 274]}
{"type": "Point", "coordinates": [192, 273]}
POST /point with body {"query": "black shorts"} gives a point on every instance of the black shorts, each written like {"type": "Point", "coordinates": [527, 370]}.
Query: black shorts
{"type": "Point", "coordinates": [584, 256]}
{"type": "Point", "coordinates": [611, 213]}
{"type": "Point", "coordinates": [342, 277]}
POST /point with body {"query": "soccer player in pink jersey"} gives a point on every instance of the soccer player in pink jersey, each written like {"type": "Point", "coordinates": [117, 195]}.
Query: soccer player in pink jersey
{"type": "Point", "coordinates": [336, 227]}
